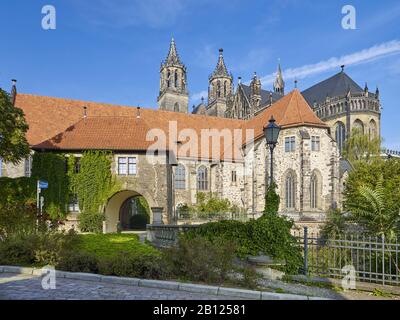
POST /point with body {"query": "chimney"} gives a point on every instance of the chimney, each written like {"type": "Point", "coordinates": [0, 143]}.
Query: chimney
{"type": "Point", "coordinates": [270, 98]}
{"type": "Point", "coordinates": [239, 80]}
{"type": "Point", "coordinates": [138, 113]}
{"type": "Point", "coordinates": [13, 91]}
{"type": "Point", "coordinates": [84, 112]}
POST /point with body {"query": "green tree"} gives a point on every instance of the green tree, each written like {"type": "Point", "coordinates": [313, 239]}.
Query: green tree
{"type": "Point", "coordinates": [360, 147]}
{"type": "Point", "coordinates": [368, 175]}
{"type": "Point", "coordinates": [373, 210]}
{"type": "Point", "coordinates": [13, 127]}
{"type": "Point", "coordinates": [335, 224]}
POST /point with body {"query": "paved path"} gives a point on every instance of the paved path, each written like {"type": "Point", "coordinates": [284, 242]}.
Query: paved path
{"type": "Point", "coordinates": [28, 287]}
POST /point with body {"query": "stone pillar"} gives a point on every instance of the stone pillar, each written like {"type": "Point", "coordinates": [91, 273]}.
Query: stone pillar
{"type": "Point", "coordinates": [157, 215]}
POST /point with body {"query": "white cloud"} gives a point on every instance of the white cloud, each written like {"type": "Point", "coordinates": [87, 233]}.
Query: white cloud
{"type": "Point", "coordinates": [364, 56]}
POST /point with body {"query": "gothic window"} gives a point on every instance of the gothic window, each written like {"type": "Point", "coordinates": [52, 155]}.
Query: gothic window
{"type": "Point", "coordinates": [314, 191]}
{"type": "Point", "coordinates": [202, 178]}
{"type": "Point", "coordinates": [180, 177]}
{"type": "Point", "coordinates": [372, 129]}
{"type": "Point", "coordinates": [290, 191]}
{"type": "Point", "coordinates": [358, 125]}
{"type": "Point", "coordinates": [168, 79]}
{"type": "Point", "coordinates": [340, 135]}
{"type": "Point", "coordinates": [225, 89]}
{"type": "Point", "coordinates": [176, 107]}
{"type": "Point", "coordinates": [218, 89]}
{"type": "Point", "coordinates": [176, 80]}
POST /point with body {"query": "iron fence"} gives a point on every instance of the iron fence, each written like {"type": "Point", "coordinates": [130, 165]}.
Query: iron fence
{"type": "Point", "coordinates": [373, 259]}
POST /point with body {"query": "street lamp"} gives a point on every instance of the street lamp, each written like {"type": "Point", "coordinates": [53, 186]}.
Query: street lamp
{"type": "Point", "coordinates": [271, 133]}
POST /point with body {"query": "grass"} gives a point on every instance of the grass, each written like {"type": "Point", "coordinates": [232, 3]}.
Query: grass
{"type": "Point", "coordinates": [109, 245]}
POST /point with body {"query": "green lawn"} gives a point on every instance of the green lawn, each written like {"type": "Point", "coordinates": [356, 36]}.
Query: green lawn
{"type": "Point", "coordinates": [108, 245]}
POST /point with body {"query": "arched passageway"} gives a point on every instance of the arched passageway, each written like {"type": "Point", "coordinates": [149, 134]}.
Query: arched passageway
{"type": "Point", "coordinates": [129, 210]}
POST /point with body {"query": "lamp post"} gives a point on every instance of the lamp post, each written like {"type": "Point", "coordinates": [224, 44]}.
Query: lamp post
{"type": "Point", "coordinates": [271, 133]}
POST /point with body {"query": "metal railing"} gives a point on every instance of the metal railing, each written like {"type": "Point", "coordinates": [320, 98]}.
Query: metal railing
{"type": "Point", "coordinates": [373, 259]}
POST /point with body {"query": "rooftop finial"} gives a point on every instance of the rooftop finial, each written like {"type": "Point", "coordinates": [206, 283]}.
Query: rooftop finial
{"type": "Point", "coordinates": [342, 66]}
{"type": "Point", "coordinates": [295, 83]}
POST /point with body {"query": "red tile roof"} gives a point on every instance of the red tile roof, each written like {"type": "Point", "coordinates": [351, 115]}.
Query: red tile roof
{"type": "Point", "coordinates": [59, 124]}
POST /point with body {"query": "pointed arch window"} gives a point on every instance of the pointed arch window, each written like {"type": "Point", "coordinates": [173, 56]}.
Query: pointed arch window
{"type": "Point", "coordinates": [176, 79]}
{"type": "Point", "coordinates": [168, 79]}
{"type": "Point", "coordinates": [218, 89]}
{"type": "Point", "coordinates": [225, 88]}
{"type": "Point", "coordinates": [202, 178]}
{"type": "Point", "coordinates": [290, 191]}
{"type": "Point", "coordinates": [340, 135]}
{"type": "Point", "coordinates": [180, 177]}
{"type": "Point", "coordinates": [358, 124]}
{"type": "Point", "coordinates": [372, 129]}
{"type": "Point", "coordinates": [314, 192]}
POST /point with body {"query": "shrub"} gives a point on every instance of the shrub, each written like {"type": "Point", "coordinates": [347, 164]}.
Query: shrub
{"type": "Point", "coordinates": [91, 222]}
{"type": "Point", "coordinates": [269, 235]}
{"type": "Point", "coordinates": [17, 218]}
{"type": "Point", "coordinates": [227, 230]}
{"type": "Point", "coordinates": [19, 249]}
{"type": "Point", "coordinates": [41, 248]}
{"type": "Point", "coordinates": [78, 261]}
{"type": "Point", "coordinates": [133, 265]}
{"type": "Point", "coordinates": [198, 259]}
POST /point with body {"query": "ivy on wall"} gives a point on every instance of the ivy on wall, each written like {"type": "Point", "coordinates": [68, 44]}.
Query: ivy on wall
{"type": "Point", "coordinates": [94, 184]}
{"type": "Point", "coordinates": [51, 167]}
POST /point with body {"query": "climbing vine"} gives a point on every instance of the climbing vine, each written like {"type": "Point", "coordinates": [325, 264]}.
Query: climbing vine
{"type": "Point", "coordinates": [51, 167]}
{"type": "Point", "coordinates": [94, 184]}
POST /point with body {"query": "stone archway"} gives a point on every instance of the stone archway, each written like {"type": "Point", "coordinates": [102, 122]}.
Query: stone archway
{"type": "Point", "coordinates": [117, 204]}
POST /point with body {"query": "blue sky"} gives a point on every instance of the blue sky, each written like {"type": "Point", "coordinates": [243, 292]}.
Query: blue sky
{"type": "Point", "coordinates": [110, 51]}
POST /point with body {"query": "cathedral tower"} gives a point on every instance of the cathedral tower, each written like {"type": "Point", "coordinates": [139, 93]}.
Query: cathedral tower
{"type": "Point", "coordinates": [279, 84]}
{"type": "Point", "coordinates": [219, 88]}
{"type": "Point", "coordinates": [173, 85]}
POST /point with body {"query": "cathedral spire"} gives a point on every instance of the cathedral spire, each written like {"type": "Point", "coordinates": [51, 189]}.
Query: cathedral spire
{"type": "Point", "coordinates": [173, 57]}
{"type": "Point", "coordinates": [220, 69]}
{"type": "Point", "coordinates": [279, 84]}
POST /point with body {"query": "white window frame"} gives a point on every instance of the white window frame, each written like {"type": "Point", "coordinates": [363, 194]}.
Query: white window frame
{"type": "Point", "coordinates": [130, 165]}
{"type": "Point", "coordinates": [73, 206]}
{"type": "Point", "coordinates": [315, 143]}
{"type": "Point", "coordinates": [180, 179]}
{"type": "Point", "coordinates": [290, 144]}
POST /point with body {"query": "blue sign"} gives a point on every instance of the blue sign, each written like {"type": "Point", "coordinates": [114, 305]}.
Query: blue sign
{"type": "Point", "coordinates": [43, 184]}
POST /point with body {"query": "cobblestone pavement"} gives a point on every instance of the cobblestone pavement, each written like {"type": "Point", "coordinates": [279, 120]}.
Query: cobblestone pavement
{"type": "Point", "coordinates": [28, 287]}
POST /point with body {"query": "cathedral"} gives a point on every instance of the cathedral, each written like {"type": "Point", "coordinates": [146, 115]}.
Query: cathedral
{"type": "Point", "coordinates": [307, 166]}
{"type": "Point", "coordinates": [338, 101]}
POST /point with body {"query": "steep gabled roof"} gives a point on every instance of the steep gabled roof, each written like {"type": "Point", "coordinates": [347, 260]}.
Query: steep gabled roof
{"type": "Point", "coordinates": [59, 124]}
{"type": "Point", "coordinates": [337, 85]}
